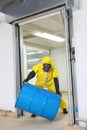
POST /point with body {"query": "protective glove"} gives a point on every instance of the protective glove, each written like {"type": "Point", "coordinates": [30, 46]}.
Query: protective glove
{"type": "Point", "coordinates": [30, 76]}
{"type": "Point", "coordinates": [24, 81]}
{"type": "Point", "coordinates": [59, 94]}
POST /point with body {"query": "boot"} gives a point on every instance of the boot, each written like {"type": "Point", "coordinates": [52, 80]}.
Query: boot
{"type": "Point", "coordinates": [65, 111]}
{"type": "Point", "coordinates": [33, 115]}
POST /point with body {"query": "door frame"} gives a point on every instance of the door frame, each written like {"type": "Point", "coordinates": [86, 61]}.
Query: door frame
{"type": "Point", "coordinates": [18, 55]}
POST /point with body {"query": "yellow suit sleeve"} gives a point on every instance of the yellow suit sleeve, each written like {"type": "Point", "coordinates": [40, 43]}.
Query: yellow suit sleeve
{"type": "Point", "coordinates": [35, 68]}
{"type": "Point", "coordinates": [55, 72]}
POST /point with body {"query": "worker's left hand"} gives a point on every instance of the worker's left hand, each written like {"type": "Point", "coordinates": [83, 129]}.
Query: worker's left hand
{"type": "Point", "coordinates": [24, 81]}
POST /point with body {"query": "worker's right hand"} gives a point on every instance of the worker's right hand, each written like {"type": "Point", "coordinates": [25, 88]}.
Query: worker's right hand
{"type": "Point", "coordinates": [60, 94]}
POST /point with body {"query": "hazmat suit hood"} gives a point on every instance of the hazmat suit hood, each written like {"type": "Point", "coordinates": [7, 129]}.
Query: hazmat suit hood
{"type": "Point", "coordinates": [47, 63]}
{"type": "Point", "coordinates": [47, 60]}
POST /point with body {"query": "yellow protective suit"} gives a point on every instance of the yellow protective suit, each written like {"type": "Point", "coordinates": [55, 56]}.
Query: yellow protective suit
{"type": "Point", "coordinates": [46, 79]}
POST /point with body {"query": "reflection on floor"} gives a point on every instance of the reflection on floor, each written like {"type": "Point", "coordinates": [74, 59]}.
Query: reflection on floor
{"type": "Point", "coordinates": [10, 122]}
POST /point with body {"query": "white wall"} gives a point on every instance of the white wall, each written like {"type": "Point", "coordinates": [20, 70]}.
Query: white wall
{"type": "Point", "coordinates": [80, 40]}
{"type": "Point", "coordinates": [7, 90]}
{"type": "Point", "coordinates": [59, 58]}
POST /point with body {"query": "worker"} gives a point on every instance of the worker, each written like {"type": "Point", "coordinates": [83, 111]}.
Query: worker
{"type": "Point", "coordinates": [47, 77]}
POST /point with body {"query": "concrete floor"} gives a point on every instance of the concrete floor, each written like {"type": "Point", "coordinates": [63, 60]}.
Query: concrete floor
{"type": "Point", "coordinates": [10, 122]}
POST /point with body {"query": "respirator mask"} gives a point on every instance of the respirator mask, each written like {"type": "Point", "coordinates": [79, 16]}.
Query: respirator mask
{"type": "Point", "coordinates": [46, 67]}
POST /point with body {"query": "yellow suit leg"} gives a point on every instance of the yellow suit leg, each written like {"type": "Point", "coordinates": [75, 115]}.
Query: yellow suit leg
{"type": "Point", "coordinates": [63, 104]}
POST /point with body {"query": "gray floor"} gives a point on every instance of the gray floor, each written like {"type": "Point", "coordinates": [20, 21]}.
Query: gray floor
{"type": "Point", "coordinates": [10, 122]}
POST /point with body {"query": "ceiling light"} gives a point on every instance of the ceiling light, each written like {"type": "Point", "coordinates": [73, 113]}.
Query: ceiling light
{"type": "Point", "coordinates": [50, 37]}
{"type": "Point", "coordinates": [36, 52]}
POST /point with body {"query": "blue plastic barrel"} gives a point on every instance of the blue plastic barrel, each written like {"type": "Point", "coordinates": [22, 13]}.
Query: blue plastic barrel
{"type": "Point", "coordinates": [38, 101]}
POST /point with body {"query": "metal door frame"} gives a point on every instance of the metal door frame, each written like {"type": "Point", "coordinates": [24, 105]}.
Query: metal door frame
{"type": "Point", "coordinates": [16, 29]}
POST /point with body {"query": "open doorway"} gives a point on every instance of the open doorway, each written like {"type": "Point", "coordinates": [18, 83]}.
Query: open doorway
{"type": "Point", "coordinates": [33, 42]}
{"type": "Point", "coordinates": [37, 46]}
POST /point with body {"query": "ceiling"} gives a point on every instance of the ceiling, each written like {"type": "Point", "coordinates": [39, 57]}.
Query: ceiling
{"type": "Point", "coordinates": [53, 25]}
{"type": "Point", "coordinates": [16, 9]}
